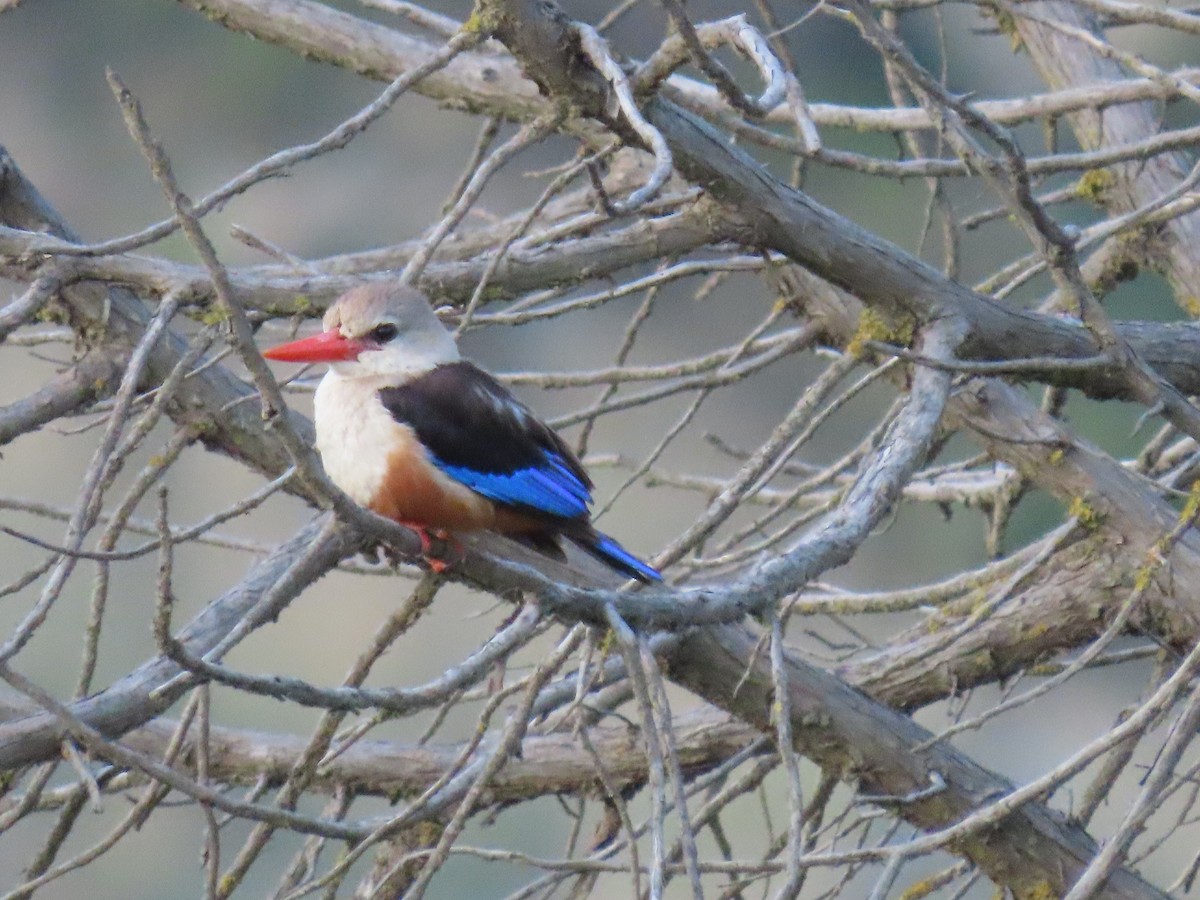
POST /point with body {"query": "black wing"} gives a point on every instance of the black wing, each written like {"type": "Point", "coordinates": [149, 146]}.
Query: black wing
{"type": "Point", "coordinates": [482, 436]}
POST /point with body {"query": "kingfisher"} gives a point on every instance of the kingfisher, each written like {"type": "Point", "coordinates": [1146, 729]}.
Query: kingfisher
{"type": "Point", "coordinates": [414, 432]}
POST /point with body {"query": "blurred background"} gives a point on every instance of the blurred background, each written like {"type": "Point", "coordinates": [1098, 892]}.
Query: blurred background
{"type": "Point", "coordinates": [219, 102]}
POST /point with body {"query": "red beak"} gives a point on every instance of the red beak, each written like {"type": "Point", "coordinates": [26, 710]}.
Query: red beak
{"type": "Point", "coordinates": [329, 346]}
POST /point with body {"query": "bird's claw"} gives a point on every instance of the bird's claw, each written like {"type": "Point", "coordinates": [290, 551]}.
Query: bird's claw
{"type": "Point", "coordinates": [434, 561]}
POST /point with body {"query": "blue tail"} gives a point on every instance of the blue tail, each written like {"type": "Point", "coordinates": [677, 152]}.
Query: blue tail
{"type": "Point", "coordinates": [617, 557]}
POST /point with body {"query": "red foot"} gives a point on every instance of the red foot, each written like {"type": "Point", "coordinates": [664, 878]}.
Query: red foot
{"type": "Point", "coordinates": [435, 563]}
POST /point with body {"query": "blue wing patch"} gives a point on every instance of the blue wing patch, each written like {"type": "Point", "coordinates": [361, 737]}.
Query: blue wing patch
{"type": "Point", "coordinates": [550, 488]}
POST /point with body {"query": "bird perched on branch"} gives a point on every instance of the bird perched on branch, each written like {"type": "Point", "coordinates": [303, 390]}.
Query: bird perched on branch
{"type": "Point", "coordinates": [412, 431]}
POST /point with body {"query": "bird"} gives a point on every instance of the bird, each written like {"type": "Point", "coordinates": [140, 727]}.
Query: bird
{"type": "Point", "coordinates": [412, 431]}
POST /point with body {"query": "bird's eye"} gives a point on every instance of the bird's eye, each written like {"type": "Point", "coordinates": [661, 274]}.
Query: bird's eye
{"type": "Point", "coordinates": [384, 333]}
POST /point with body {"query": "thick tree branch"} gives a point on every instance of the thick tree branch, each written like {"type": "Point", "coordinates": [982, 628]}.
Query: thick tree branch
{"type": "Point", "coordinates": [153, 687]}
{"type": "Point", "coordinates": [776, 216]}
{"type": "Point", "coordinates": [549, 763]}
{"type": "Point", "coordinates": [1065, 62]}
{"type": "Point", "coordinates": [1024, 846]}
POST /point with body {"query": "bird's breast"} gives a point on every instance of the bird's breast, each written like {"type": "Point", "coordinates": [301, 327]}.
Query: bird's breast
{"type": "Point", "coordinates": [355, 436]}
{"type": "Point", "coordinates": [381, 464]}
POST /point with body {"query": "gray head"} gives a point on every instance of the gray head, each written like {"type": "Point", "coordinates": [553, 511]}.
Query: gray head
{"type": "Point", "coordinates": [394, 329]}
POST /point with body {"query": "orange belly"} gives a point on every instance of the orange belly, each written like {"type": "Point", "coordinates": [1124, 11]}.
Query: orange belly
{"type": "Point", "coordinates": [416, 492]}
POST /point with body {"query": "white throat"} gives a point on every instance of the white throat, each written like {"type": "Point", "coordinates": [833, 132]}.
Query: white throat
{"type": "Point", "coordinates": [355, 433]}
